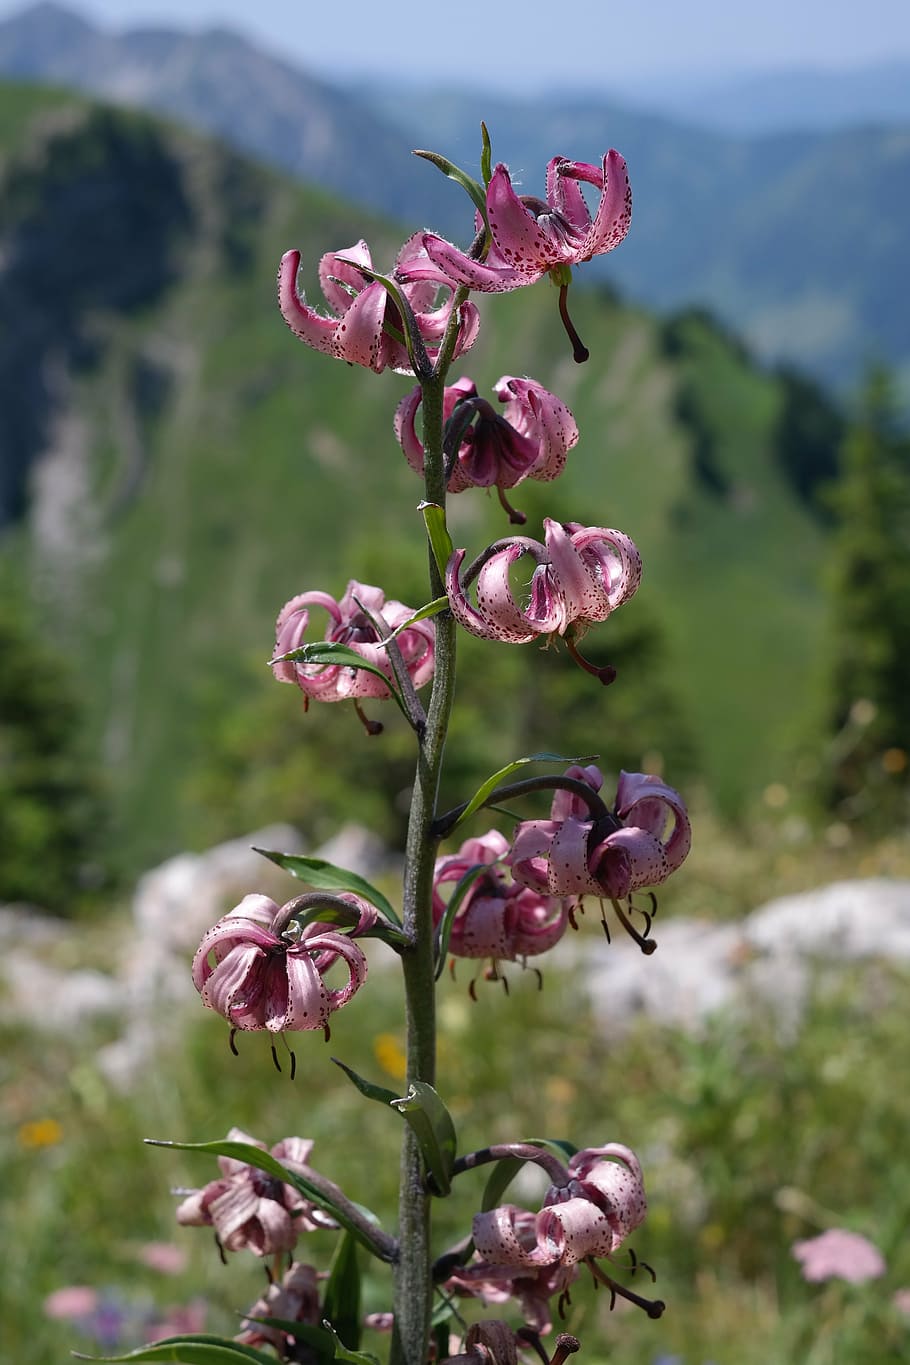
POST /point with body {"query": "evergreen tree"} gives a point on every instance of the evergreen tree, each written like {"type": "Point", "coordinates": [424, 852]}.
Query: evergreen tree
{"type": "Point", "coordinates": [870, 593]}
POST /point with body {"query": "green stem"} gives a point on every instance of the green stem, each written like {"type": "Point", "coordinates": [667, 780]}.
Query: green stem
{"type": "Point", "coordinates": [413, 1273]}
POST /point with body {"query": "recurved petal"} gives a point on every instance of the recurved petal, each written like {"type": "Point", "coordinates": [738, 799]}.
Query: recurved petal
{"type": "Point", "coordinates": [529, 859]}
{"type": "Point", "coordinates": [614, 212]}
{"type": "Point", "coordinates": [649, 802]}
{"type": "Point", "coordinates": [611, 558]}
{"type": "Point", "coordinates": [506, 622]}
{"type": "Point", "coordinates": [583, 596]}
{"type": "Point", "coordinates": [570, 1231]}
{"type": "Point", "coordinates": [358, 336]}
{"type": "Point", "coordinates": [568, 873]}
{"type": "Point", "coordinates": [339, 277]}
{"type": "Point", "coordinates": [501, 1236]}
{"type": "Point", "coordinates": [628, 859]}
{"type": "Point", "coordinates": [406, 431]}
{"type": "Point", "coordinates": [457, 268]}
{"type": "Point", "coordinates": [317, 331]}
{"type": "Point", "coordinates": [566, 197]}
{"type": "Point", "coordinates": [614, 1172]}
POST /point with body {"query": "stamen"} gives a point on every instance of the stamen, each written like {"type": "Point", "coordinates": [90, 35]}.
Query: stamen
{"type": "Point", "coordinates": [372, 727]}
{"type": "Point", "coordinates": [221, 1252]}
{"type": "Point", "coordinates": [472, 989]}
{"type": "Point", "coordinates": [527, 1334]}
{"type": "Point", "coordinates": [566, 1345]}
{"type": "Point", "coordinates": [515, 517]}
{"type": "Point", "coordinates": [654, 1308]}
{"type": "Point", "coordinates": [580, 352]}
{"type": "Point", "coordinates": [326, 1032]}
{"type": "Point", "coordinates": [293, 1056]}
{"type": "Point", "coordinates": [539, 974]}
{"type": "Point", "coordinates": [231, 1044]}
{"type": "Point", "coordinates": [606, 675]}
{"type": "Point", "coordinates": [647, 945]}
{"type": "Point", "coordinates": [275, 1059]}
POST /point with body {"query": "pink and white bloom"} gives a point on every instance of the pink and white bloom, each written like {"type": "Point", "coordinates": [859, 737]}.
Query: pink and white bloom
{"type": "Point", "coordinates": [350, 625]}
{"type": "Point", "coordinates": [839, 1255]}
{"type": "Point", "coordinates": [295, 1298]}
{"type": "Point", "coordinates": [530, 438]}
{"type": "Point", "coordinates": [497, 918]}
{"type": "Point", "coordinates": [591, 1215]}
{"type": "Point", "coordinates": [530, 236]}
{"type": "Point", "coordinates": [255, 968]}
{"type": "Point", "coordinates": [581, 575]}
{"type": "Point", "coordinates": [367, 327]}
{"type": "Point", "coordinates": [644, 840]}
{"type": "Point", "coordinates": [252, 1210]}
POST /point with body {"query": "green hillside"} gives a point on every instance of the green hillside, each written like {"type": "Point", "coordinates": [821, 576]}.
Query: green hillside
{"type": "Point", "coordinates": [177, 466]}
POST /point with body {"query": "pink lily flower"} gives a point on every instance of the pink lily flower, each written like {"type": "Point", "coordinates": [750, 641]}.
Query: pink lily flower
{"type": "Point", "coordinates": [497, 918]}
{"type": "Point", "coordinates": [252, 1210]}
{"type": "Point", "coordinates": [530, 236]}
{"type": "Point", "coordinates": [350, 625]}
{"type": "Point", "coordinates": [532, 1286]}
{"type": "Point", "coordinates": [367, 328]}
{"type": "Point", "coordinates": [529, 439]}
{"type": "Point", "coordinates": [582, 574]}
{"type": "Point", "coordinates": [591, 1215]}
{"type": "Point", "coordinates": [572, 854]}
{"type": "Point", "coordinates": [258, 970]}
{"type": "Point", "coordinates": [295, 1298]}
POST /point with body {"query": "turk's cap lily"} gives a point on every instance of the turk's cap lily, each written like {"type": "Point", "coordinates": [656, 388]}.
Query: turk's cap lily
{"type": "Point", "coordinates": [530, 438]}
{"type": "Point", "coordinates": [349, 623]}
{"type": "Point", "coordinates": [255, 971]}
{"type": "Point", "coordinates": [366, 327]}
{"type": "Point", "coordinates": [497, 918]}
{"type": "Point", "coordinates": [531, 236]}
{"type": "Point", "coordinates": [590, 1216]}
{"type": "Point", "coordinates": [634, 848]}
{"type": "Point", "coordinates": [295, 1298]}
{"type": "Point", "coordinates": [250, 1209]}
{"type": "Point", "coordinates": [581, 575]}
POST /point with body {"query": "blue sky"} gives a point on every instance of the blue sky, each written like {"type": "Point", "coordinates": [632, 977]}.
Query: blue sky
{"type": "Point", "coordinates": [527, 44]}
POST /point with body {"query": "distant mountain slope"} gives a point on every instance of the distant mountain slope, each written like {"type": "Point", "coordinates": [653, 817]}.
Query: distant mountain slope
{"type": "Point", "coordinates": [796, 240]}
{"type": "Point", "coordinates": [798, 99]}
{"type": "Point", "coordinates": [187, 466]}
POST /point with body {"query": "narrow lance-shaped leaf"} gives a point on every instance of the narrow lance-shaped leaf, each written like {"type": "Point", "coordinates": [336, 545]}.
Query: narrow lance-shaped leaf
{"type": "Point", "coordinates": [432, 1125]}
{"type": "Point", "coordinates": [319, 1339]}
{"type": "Point", "coordinates": [341, 1300]}
{"type": "Point", "coordinates": [467, 182]}
{"type": "Point", "coordinates": [368, 1088]}
{"type": "Point", "coordinates": [264, 1161]}
{"type": "Point", "coordinates": [201, 1349]}
{"type": "Point", "coordinates": [444, 932]}
{"type": "Point", "coordinates": [489, 786]}
{"type": "Point", "coordinates": [325, 876]}
{"type": "Point", "coordinates": [440, 541]}
{"type": "Point", "coordinates": [334, 654]}
{"type": "Point", "coordinates": [355, 1357]}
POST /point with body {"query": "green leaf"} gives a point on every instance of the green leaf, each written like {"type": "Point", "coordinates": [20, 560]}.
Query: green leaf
{"type": "Point", "coordinates": [432, 1125]}
{"type": "Point", "coordinates": [355, 1357]}
{"type": "Point", "coordinates": [462, 887]}
{"type": "Point", "coordinates": [201, 1349]}
{"type": "Point", "coordinates": [333, 654]}
{"type": "Point", "coordinates": [467, 182]}
{"type": "Point", "coordinates": [440, 541]}
{"type": "Point", "coordinates": [433, 608]}
{"type": "Point", "coordinates": [486, 155]}
{"type": "Point", "coordinates": [367, 1088]}
{"type": "Point", "coordinates": [319, 1339]}
{"type": "Point", "coordinates": [488, 787]}
{"type": "Point", "coordinates": [341, 1301]}
{"type": "Point", "coordinates": [264, 1161]}
{"type": "Point", "coordinates": [323, 876]}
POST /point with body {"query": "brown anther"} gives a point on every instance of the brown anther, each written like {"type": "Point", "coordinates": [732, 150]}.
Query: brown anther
{"type": "Point", "coordinates": [231, 1044]}
{"type": "Point", "coordinates": [647, 945]}
{"type": "Point", "coordinates": [274, 1052]}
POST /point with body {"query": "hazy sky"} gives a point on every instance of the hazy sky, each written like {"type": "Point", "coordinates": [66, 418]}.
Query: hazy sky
{"type": "Point", "coordinates": [528, 43]}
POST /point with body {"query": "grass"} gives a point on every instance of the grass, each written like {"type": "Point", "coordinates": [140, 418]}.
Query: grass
{"type": "Point", "coordinates": [750, 1138]}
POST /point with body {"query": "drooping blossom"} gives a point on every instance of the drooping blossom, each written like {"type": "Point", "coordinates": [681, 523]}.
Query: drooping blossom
{"type": "Point", "coordinates": [293, 1298]}
{"type": "Point", "coordinates": [250, 1209]}
{"type": "Point", "coordinates": [574, 854]}
{"type": "Point", "coordinates": [497, 918]}
{"type": "Point", "coordinates": [367, 327]}
{"type": "Point", "coordinates": [530, 236]}
{"type": "Point", "coordinates": [259, 972]}
{"type": "Point", "coordinates": [587, 1217]}
{"type": "Point", "coordinates": [581, 575]}
{"type": "Point", "coordinates": [532, 1286]}
{"type": "Point", "coordinates": [349, 624]}
{"type": "Point", "coordinates": [530, 438]}
{"type": "Point", "coordinates": [839, 1255]}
